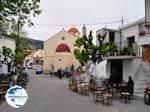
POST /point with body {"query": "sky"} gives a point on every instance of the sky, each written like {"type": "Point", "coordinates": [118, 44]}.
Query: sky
{"type": "Point", "coordinates": [95, 14]}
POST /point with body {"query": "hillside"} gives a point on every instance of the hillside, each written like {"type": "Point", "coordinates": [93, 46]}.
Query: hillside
{"type": "Point", "coordinates": [32, 43]}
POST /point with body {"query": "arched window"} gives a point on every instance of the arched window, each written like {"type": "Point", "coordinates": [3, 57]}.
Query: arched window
{"type": "Point", "coordinates": [62, 48]}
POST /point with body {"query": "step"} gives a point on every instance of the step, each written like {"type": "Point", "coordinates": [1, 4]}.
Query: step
{"type": "Point", "coordinates": [139, 94]}
{"type": "Point", "coordinates": [139, 89]}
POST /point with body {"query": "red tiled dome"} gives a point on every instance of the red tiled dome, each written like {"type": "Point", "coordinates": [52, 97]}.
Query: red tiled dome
{"type": "Point", "coordinates": [63, 48]}
{"type": "Point", "coordinates": [73, 30]}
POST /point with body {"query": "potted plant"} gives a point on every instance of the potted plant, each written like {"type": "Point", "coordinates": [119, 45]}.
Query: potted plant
{"type": "Point", "coordinates": [142, 33]}
{"type": "Point", "coordinates": [120, 52]}
{"type": "Point", "coordinates": [116, 53]}
{"type": "Point", "coordinates": [125, 51]}
{"type": "Point", "coordinates": [130, 50]}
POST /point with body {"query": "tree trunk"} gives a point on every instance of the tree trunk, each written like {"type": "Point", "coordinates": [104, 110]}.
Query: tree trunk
{"type": "Point", "coordinates": [87, 72]}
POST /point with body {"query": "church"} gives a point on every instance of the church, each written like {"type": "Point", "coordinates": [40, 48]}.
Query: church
{"type": "Point", "coordinates": [59, 50]}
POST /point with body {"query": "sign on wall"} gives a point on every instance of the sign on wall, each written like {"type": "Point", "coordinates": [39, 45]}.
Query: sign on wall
{"type": "Point", "coordinates": [146, 53]}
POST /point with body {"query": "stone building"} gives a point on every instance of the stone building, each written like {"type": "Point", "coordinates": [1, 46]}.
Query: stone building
{"type": "Point", "coordinates": [134, 37]}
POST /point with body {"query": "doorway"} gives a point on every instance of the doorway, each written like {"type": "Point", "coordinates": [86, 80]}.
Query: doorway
{"type": "Point", "coordinates": [116, 71]}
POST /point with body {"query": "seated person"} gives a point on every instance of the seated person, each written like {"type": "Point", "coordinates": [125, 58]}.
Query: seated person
{"type": "Point", "coordinates": [130, 86]}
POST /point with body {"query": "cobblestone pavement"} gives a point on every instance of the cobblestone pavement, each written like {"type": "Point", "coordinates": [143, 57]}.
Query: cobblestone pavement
{"type": "Point", "coordinates": [52, 95]}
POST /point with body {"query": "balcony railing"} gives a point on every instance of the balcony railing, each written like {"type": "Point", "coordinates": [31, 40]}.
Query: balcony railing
{"type": "Point", "coordinates": [124, 50]}
{"type": "Point", "coordinates": [144, 29]}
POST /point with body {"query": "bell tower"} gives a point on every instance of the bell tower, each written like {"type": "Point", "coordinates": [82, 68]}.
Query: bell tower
{"type": "Point", "coordinates": [84, 30]}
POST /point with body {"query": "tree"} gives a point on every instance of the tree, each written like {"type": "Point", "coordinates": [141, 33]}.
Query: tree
{"type": "Point", "coordinates": [15, 58]}
{"type": "Point", "coordinates": [8, 57]}
{"type": "Point", "coordinates": [19, 9]}
{"type": "Point", "coordinates": [87, 50]}
{"type": "Point", "coordinates": [20, 56]}
{"type": "Point", "coordinates": [13, 15]}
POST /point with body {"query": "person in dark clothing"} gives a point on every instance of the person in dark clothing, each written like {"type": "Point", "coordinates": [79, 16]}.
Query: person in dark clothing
{"type": "Point", "coordinates": [130, 86]}
{"type": "Point", "coordinates": [51, 74]}
{"type": "Point", "coordinates": [59, 73]}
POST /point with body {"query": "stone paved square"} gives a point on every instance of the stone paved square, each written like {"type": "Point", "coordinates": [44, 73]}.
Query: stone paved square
{"type": "Point", "coordinates": [48, 94]}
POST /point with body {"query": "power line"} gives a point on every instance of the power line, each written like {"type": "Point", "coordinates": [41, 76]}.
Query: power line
{"type": "Point", "coordinates": [135, 16]}
{"type": "Point", "coordinates": [87, 24]}
{"type": "Point", "coordinates": [122, 20]}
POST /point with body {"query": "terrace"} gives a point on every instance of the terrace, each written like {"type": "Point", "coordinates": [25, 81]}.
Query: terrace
{"type": "Point", "coordinates": [126, 51]}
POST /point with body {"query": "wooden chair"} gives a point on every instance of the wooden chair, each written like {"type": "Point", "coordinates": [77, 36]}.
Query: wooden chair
{"type": "Point", "coordinates": [130, 89]}
{"type": "Point", "coordinates": [97, 95]}
{"type": "Point", "coordinates": [79, 88]}
{"type": "Point", "coordinates": [74, 86]}
{"type": "Point", "coordinates": [3, 91]}
{"type": "Point", "coordinates": [86, 88]}
{"type": "Point", "coordinates": [107, 98]}
{"type": "Point", "coordinates": [126, 96]}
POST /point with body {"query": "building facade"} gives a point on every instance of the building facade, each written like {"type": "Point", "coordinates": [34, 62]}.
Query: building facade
{"type": "Point", "coordinates": [9, 43]}
{"type": "Point", "coordinates": [59, 51]}
{"type": "Point", "coordinates": [135, 39]}
{"type": "Point", "coordinates": [38, 57]}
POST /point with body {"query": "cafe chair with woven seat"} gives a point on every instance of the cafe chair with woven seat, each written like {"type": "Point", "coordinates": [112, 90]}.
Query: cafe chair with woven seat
{"type": "Point", "coordinates": [126, 96]}
{"type": "Point", "coordinates": [107, 99]}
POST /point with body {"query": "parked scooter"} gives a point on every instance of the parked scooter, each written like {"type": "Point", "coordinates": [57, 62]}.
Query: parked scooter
{"type": "Point", "coordinates": [147, 94]}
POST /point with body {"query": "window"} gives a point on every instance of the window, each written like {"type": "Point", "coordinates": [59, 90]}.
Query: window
{"type": "Point", "coordinates": [63, 38]}
{"type": "Point", "coordinates": [144, 30]}
{"type": "Point", "coordinates": [130, 41]}
{"type": "Point", "coordinates": [111, 37]}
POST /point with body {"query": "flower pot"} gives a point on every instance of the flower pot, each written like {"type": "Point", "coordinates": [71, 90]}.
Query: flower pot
{"type": "Point", "coordinates": [115, 53]}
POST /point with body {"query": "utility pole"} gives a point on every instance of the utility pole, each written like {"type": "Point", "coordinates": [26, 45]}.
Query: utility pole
{"type": "Point", "coordinates": [122, 21]}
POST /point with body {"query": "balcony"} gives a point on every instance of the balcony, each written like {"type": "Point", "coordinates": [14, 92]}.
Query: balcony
{"type": "Point", "coordinates": [120, 55]}
{"type": "Point", "coordinates": [144, 34]}
{"type": "Point", "coordinates": [125, 53]}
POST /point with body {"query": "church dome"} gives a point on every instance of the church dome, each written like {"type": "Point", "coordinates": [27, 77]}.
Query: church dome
{"type": "Point", "coordinates": [62, 48]}
{"type": "Point", "coordinates": [73, 30]}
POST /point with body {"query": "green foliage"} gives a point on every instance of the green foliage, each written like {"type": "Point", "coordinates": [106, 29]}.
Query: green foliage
{"type": "Point", "coordinates": [8, 55]}
{"type": "Point", "coordinates": [128, 50]}
{"type": "Point", "coordinates": [19, 9]}
{"type": "Point", "coordinates": [20, 56]}
{"type": "Point", "coordinates": [13, 15]}
{"type": "Point", "coordinates": [87, 50]}
{"type": "Point", "coordinates": [16, 57]}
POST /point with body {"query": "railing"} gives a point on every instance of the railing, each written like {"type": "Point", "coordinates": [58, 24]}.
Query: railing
{"type": "Point", "coordinates": [121, 44]}
{"type": "Point", "coordinates": [137, 74]}
{"type": "Point", "coordinates": [124, 49]}
{"type": "Point", "coordinates": [144, 30]}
